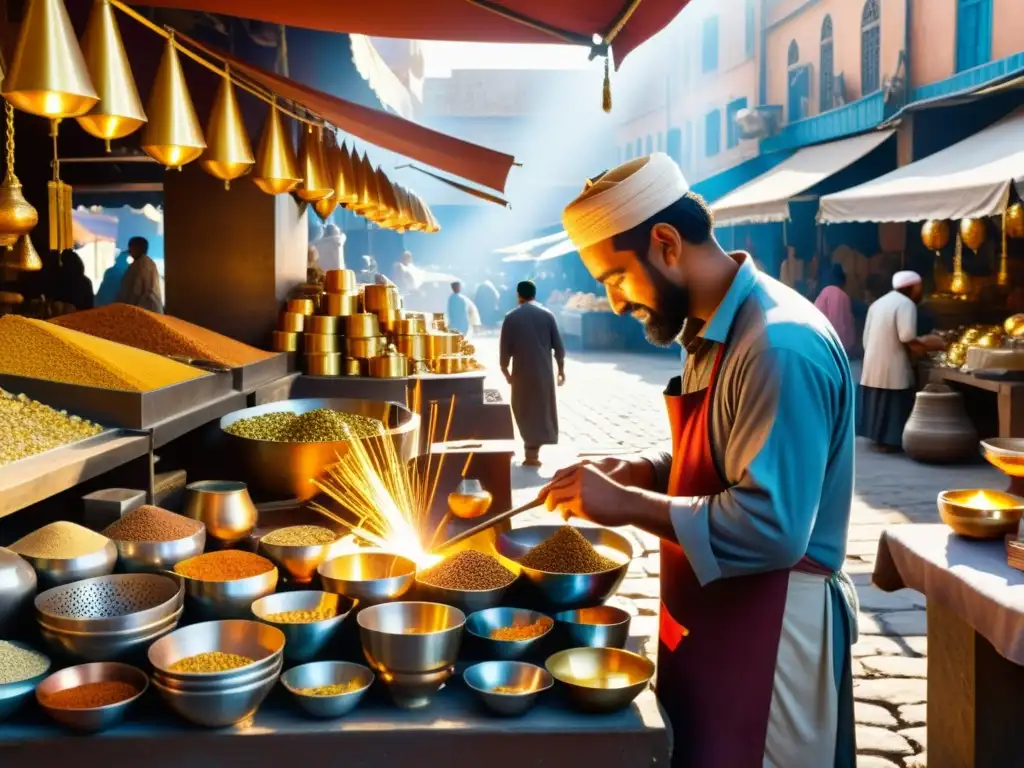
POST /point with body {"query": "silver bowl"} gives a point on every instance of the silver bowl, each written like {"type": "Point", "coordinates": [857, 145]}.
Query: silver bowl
{"type": "Point", "coordinates": [93, 719]}
{"type": "Point", "coordinates": [17, 587]}
{"type": "Point", "coordinates": [287, 470]}
{"type": "Point", "coordinates": [252, 674]}
{"type": "Point", "coordinates": [54, 571]}
{"type": "Point", "coordinates": [600, 680]}
{"type": "Point", "coordinates": [145, 556]}
{"type": "Point", "coordinates": [603, 626]}
{"type": "Point", "coordinates": [323, 673]}
{"type": "Point", "coordinates": [369, 576]}
{"type": "Point", "coordinates": [570, 590]}
{"type": "Point", "coordinates": [106, 646]}
{"type": "Point", "coordinates": [252, 639]}
{"type": "Point", "coordinates": [413, 646]}
{"type": "Point", "coordinates": [229, 599]}
{"type": "Point", "coordinates": [467, 600]}
{"type": "Point", "coordinates": [304, 641]}
{"type": "Point", "coordinates": [527, 680]}
{"type": "Point", "coordinates": [299, 562]}
{"type": "Point", "coordinates": [217, 709]}
{"type": "Point", "coordinates": [482, 623]}
{"type": "Point", "coordinates": [223, 506]}
{"type": "Point", "coordinates": [123, 601]}
{"type": "Point", "coordinates": [13, 695]}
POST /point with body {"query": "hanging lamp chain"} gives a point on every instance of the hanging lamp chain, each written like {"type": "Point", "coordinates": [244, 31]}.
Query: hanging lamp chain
{"type": "Point", "coordinates": [10, 143]}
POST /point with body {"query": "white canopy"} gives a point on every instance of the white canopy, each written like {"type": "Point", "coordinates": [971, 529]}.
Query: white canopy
{"type": "Point", "coordinates": [969, 179]}
{"type": "Point", "coordinates": [767, 197]}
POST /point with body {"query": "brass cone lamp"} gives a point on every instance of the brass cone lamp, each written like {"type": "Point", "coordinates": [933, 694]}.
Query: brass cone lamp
{"type": "Point", "coordinates": [172, 136]}
{"type": "Point", "coordinates": [17, 216]}
{"type": "Point", "coordinates": [315, 184]}
{"type": "Point", "coordinates": [348, 182]}
{"type": "Point", "coordinates": [22, 256]}
{"type": "Point", "coordinates": [228, 154]}
{"type": "Point", "coordinates": [432, 224]}
{"type": "Point", "coordinates": [401, 218]}
{"type": "Point", "coordinates": [48, 76]}
{"type": "Point", "coordinates": [388, 202]}
{"type": "Point", "coordinates": [276, 171]}
{"type": "Point", "coordinates": [326, 206]}
{"type": "Point", "coordinates": [367, 203]}
{"type": "Point", "coordinates": [419, 217]}
{"type": "Point", "coordinates": [119, 112]}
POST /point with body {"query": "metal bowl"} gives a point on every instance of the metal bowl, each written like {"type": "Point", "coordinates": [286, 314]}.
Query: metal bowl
{"type": "Point", "coordinates": [570, 590]}
{"type": "Point", "coordinates": [323, 673]}
{"type": "Point", "coordinates": [600, 680]}
{"type": "Point", "coordinates": [527, 681]}
{"type": "Point", "coordinates": [469, 500]}
{"type": "Point", "coordinates": [369, 576]}
{"type": "Point", "coordinates": [54, 571]}
{"type": "Point", "coordinates": [482, 623]}
{"type": "Point", "coordinates": [107, 646]}
{"type": "Point", "coordinates": [413, 646]}
{"type": "Point", "coordinates": [466, 600]}
{"type": "Point", "coordinates": [1006, 454]}
{"type": "Point", "coordinates": [146, 556]}
{"type": "Point", "coordinates": [603, 626]}
{"type": "Point", "coordinates": [124, 601]}
{"type": "Point", "coordinates": [17, 588]}
{"type": "Point", "coordinates": [253, 674]}
{"type": "Point", "coordinates": [287, 470]}
{"type": "Point", "coordinates": [92, 719]}
{"type": "Point", "coordinates": [13, 695]}
{"type": "Point", "coordinates": [229, 599]}
{"type": "Point", "coordinates": [252, 639]}
{"type": "Point", "coordinates": [980, 514]}
{"type": "Point", "coordinates": [299, 562]}
{"type": "Point", "coordinates": [223, 506]}
{"type": "Point", "coordinates": [217, 709]}
{"type": "Point", "coordinates": [304, 641]}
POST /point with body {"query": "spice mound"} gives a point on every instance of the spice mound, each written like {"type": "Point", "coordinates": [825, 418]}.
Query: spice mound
{"type": "Point", "coordinates": [59, 541]}
{"type": "Point", "coordinates": [468, 570]}
{"type": "Point", "coordinates": [319, 426]}
{"type": "Point", "coordinates": [160, 334]}
{"type": "Point", "coordinates": [29, 427]}
{"type": "Point", "coordinates": [226, 565]}
{"type": "Point", "coordinates": [566, 551]}
{"type": "Point", "coordinates": [90, 695]}
{"type": "Point", "coordinates": [149, 523]}
{"type": "Point", "coordinates": [302, 617]}
{"type": "Point", "coordinates": [511, 689]}
{"type": "Point", "coordinates": [300, 536]}
{"type": "Point", "coordinates": [335, 689]}
{"type": "Point", "coordinates": [41, 350]}
{"type": "Point", "coordinates": [523, 631]}
{"type": "Point", "coordinates": [17, 664]}
{"type": "Point", "coordinates": [211, 661]}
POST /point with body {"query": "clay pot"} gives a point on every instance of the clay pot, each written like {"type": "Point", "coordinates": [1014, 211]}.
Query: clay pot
{"type": "Point", "coordinates": [938, 430]}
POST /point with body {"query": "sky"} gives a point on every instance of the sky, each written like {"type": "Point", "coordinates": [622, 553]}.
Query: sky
{"type": "Point", "coordinates": [440, 58]}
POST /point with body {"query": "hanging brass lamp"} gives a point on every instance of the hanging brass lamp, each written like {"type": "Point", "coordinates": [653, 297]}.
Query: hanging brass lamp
{"type": "Point", "coordinates": [228, 154]}
{"type": "Point", "coordinates": [346, 183]}
{"type": "Point", "coordinates": [17, 216]}
{"type": "Point", "coordinates": [22, 257]}
{"type": "Point", "coordinates": [402, 218]}
{"type": "Point", "coordinates": [960, 283]}
{"type": "Point", "coordinates": [367, 203]}
{"type": "Point", "coordinates": [973, 233]}
{"type": "Point", "coordinates": [172, 136]}
{"type": "Point", "coordinates": [118, 112]}
{"type": "Point", "coordinates": [315, 184]}
{"type": "Point", "coordinates": [431, 223]}
{"type": "Point", "coordinates": [419, 218]}
{"type": "Point", "coordinates": [387, 204]}
{"type": "Point", "coordinates": [326, 206]}
{"type": "Point", "coordinates": [276, 171]}
{"type": "Point", "coordinates": [48, 76]}
{"type": "Point", "coordinates": [1015, 220]}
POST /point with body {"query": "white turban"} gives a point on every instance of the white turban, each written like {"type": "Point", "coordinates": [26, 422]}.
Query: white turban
{"type": "Point", "coordinates": [905, 279]}
{"type": "Point", "coordinates": [623, 198]}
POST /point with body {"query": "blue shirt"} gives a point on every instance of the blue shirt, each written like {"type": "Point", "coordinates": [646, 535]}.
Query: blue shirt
{"type": "Point", "coordinates": [458, 313]}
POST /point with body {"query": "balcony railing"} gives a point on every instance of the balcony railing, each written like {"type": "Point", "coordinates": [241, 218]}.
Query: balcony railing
{"type": "Point", "coordinates": [856, 117]}
{"type": "Point", "coordinates": [970, 78]}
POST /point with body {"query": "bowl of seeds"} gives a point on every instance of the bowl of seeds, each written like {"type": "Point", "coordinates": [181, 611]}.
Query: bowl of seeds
{"type": "Point", "coordinates": [62, 552]}
{"type": "Point", "coordinates": [568, 566]}
{"type": "Point", "coordinates": [328, 688]}
{"type": "Point", "coordinates": [298, 550]}
{"type": "Point", "coordinates": [215, 655]}
{"type": "Point", "coordinates": [224, 584]}
{"type": "Point", "coordinates": [507, 688]}
{"type": "Point", "coordinates": [469, 580]}
{"type": "Point", "coordinates": [151, 538]}
{"type": "Point", "coordinates": [508, 633]}
{"type": "Point", "coordinates": [91, 697]}
{"type": "Point", "coordinates": [309, 619]}
{"type": "Point", "coordinates": [21, 670]}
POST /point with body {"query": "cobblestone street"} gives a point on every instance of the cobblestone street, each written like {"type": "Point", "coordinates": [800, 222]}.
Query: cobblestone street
{"type": "Point", "coordinates": [612, 402]}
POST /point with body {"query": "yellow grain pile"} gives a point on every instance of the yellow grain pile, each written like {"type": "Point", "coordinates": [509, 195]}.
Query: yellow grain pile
{"type": "Point", "coordinates": [42, 350]}
{"type": "Point", "coordinates": [162, 334]}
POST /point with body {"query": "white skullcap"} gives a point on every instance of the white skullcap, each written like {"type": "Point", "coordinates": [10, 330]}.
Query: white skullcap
{"type": "Point", "coordinates": [905, 279]}
{"type": "Point", "coordinates": [621, 203]}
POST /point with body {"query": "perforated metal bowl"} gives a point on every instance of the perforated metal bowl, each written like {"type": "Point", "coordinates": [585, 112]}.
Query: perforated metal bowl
{"type": "Point", "coordinates": [114, 603]}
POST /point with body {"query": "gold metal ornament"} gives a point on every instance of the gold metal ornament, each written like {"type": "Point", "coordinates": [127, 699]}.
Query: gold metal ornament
{"type": "Point", "coordinates": [1015, 220]}
{"type": "Point", "coordinates": [367, 203]}
{"type": "Point", "coordinates": [48, 76]}
{"type": "Point", "coordinates": [118, 113]}
{"type": "Point", "coordinates": [402, 218]}
{"type": "Point", "coordinates": [315, 184]}
{"type": "Point", "coordinates": [22, 257]}
{"type": "Point", "coordinates": [172, 136]}
{"type": "Point", "coordinates": [325, 207]}
{"type": "Point", "coordinates": [957, 353]}
{"type": "Point", "coordinates": [388, 207]}
{"type": "Point", "coordinates": [276, 170]}
{"type": "Point", "coordinates": [228, 154]}
{"type": "Point", "coordinates": [972, 231]}
{"type": "Point", "coordinates": [346, 183]}
{"type": "Point", "coordinates": [960, 283]}
{"type": "Point", "coordinates": [1003, 276]}
{"type": "Point", "coordinates": [17, 216]}
{"type": "Point", "coordinates": [432, 223]}
{"type": "Point", "coordinates": [59, 202]}
{"type": "Point", "coordinates": [935, 234]}
{"type": "Point", "coordinates": [420, 221]}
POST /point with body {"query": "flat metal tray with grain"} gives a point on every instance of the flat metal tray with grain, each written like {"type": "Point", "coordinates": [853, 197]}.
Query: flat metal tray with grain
{"type": "Point", "coordinates": [249, 377]}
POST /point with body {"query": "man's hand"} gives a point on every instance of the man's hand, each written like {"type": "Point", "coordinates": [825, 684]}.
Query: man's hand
{"type": "Point", "coordinates": [561, 378]}
{"type": "Point", "coordinates": [631, 471]}
{"type": "Point", "coordinates": [586, 492]}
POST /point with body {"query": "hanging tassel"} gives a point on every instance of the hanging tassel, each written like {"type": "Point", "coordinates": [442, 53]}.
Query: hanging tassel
{"type": "Point", "coordinates": [606, 101]}
{"type": "Point", "coordinates": [59, 200]}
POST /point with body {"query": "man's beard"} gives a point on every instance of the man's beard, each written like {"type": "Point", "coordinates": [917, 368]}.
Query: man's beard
{"type": "Point", "coordinates": [664, 322]}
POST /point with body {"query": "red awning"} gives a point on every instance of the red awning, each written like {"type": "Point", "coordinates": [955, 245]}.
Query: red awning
{"type": "Point", "coordinates": [403, 137]}
{"type": "Point", "coordinates": [528, 21]}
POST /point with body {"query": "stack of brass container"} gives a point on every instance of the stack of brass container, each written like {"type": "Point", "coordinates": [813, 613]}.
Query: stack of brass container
{"type": "Point", "coordinates": [325, 332]}
{"type": "Point", "coordinates": [288, 336]}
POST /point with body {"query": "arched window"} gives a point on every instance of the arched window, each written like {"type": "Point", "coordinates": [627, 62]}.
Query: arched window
{"type": "Point", "coordinates": [870, 48]}
{"type": "Point", "coordinates": [793, 55]}
{"type": "Point", "coordinates": [973, 33]}
{"type": "Point", "coordinates": [799, 84]}
{"type": "Point", "coordinates": [650, 144]}
{"type": "Point", "coordinates": [827, 87]}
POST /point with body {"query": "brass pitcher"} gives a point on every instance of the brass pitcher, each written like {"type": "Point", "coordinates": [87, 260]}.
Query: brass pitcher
{"type": "Point", "coordinates": [469, 500]}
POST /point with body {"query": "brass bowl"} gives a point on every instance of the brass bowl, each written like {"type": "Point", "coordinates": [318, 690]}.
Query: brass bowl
{"type": "Point", "coordinates": [319, 343]}
{"type": "Point", "coordinates": [600, 680]}
{"type": "Point", "coordinates": [292, 322]}
{"type": "Point", "coordinates": [394, 366]}
{"type": "Point", "coordinates": [298, 561]}
{"type": "Point", "coordinates": [413, 346]}
{"type": "Point", "coordinates": [341, 305]}
{"type": "Point", "coordinates": [364, 348]}
{"type": "Point", "coordinates": [441, 344]}
{"type": "Point", "coordinates": [980, 514]}
{"type": "Point", "coordinates": [369, 576]}
{"type": "Point", "coordinates": [362, 325]}
{"type": "Point", "coordinates": [352, 366]}
{"type": "Point", "coordinates": [300, 306]}
{"type": "Point", "coordinates": [469, 500]}
{"type": "Point", "coordinates": [223, 506]}
{"type": "Point", "coordinates": [340, 281]}
{"type": "Point", "coordinates": [1006, 454]}
{"type": "Point", "coordinates": [326, 325]}
{"type": "Point", "coordinates": [284, 341]}
{"type": "Point", "coordinates": [381, 298]}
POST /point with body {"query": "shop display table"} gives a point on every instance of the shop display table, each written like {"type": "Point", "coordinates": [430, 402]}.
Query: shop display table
{"type": "Point", "coordinates": [975, 640]}
{"type": "Point", "coordinates": [1009, 397]}
{"type": "Point", "coordinates": [451, 732]}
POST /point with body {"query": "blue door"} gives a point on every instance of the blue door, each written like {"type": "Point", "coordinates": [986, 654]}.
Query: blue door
{"type": "Point", "coordinates": [799, 92]}
{"type": "Point", "coordinates": [973, 33]}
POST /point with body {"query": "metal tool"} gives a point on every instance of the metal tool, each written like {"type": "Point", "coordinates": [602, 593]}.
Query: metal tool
{"type": "Point", "coordinates": [490, 523]}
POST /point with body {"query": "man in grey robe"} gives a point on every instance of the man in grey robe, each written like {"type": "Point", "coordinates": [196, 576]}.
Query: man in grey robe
{"type": "Point", "coordinates": [529, 336]}
{"type": "Point", "coordinates": [140, 285]}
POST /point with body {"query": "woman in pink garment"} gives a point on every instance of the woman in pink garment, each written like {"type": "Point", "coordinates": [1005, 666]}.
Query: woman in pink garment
{"type": "Point", "coordinates": [835, 305]}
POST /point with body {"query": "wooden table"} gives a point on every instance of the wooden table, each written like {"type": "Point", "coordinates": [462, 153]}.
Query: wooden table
{"type": "Point", "coordinates": [1009, 398]}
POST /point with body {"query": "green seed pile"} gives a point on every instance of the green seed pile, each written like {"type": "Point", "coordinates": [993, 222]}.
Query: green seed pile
{"type": "Point", "coordinates": [17, 664]}
{"type": "Point", "coordinates": [319, 426]}
{"type": "Point", "coordinates": [467, 571]}
{"type": "Point", "coordinates": [300, 536]}
{"type": "Point", "coordinates": [29, 427]}
{"type": "Point", "coordinates": [149, 523]}
{"type": "Point", "coordinates": [60, 540]}
{"type": "Point", "coordinates": [567, 551]}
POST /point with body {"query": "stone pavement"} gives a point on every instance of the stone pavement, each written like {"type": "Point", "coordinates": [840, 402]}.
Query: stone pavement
{"type": "Point", "coordinates": [612, 402]}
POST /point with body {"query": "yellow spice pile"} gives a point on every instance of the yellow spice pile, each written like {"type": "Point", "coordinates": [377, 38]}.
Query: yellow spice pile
{"type": "Point", "coordinates": [41, 350]}
{"type": "Point", "coordinates": [29, 427]}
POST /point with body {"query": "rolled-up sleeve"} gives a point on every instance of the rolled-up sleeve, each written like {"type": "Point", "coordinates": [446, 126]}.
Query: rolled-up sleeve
{"type": "Point", "coordinates": [776, 458]}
